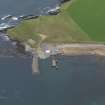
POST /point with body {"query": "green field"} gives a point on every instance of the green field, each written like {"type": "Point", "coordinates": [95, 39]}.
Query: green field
{"type": "Point", "coordinates": [90, 16]}
{"type": "Point", "coordinates": [57, 29]}
{"type": "Point", "coordinates": [78, 21]}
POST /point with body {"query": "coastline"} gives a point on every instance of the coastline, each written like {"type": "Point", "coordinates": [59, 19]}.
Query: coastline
{"type": "Point", "coordinates": [65, 49]}
{"type": "Point", "coordinates": [52, 11]}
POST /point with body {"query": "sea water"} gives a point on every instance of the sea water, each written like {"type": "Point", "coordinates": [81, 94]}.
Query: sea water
{"type": "Point", "coordinates": [22, 7]}
{"type": "Point", "coordinates": [19, 8]}
{"type": "Point", "coordinates": [79, 80]}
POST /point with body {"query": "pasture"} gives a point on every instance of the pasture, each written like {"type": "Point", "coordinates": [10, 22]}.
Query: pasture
{"type": "Point", "coordinates": [90, 16]}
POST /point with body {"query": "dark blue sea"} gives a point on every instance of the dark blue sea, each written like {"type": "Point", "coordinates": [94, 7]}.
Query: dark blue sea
{"type": "Point", "coordinates": [79, 80]}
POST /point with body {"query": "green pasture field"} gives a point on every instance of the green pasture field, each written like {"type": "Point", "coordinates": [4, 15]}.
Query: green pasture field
{"type": "Point", "coordinates": [90, 16]}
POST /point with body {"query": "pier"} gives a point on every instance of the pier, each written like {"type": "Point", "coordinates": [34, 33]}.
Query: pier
{"type": "Point", "coordinates": [35, 65]}
{"type": "Point", "coordinates": [54, 62]}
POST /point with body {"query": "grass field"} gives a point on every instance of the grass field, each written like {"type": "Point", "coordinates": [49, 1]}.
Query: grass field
{"type": "Point", "coordinates": [90, 16]}
{"type": "Point", "coordinates": [57, 29]}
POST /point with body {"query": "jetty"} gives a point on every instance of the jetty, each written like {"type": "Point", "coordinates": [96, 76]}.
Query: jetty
{"type": "Point", "coordinates": [54, 62]}
{"type": "Point", "coordinates": [35, 65]}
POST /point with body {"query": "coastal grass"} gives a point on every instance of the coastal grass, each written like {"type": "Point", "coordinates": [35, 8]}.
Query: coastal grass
{"type": "Point", "coordinates": [90, 16]}
{"type": "Point", "coordinates": [23, 32]}
{"type": "Point", "coordinates": [58, 29]}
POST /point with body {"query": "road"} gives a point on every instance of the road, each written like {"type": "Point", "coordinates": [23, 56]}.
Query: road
{"type": "Point", "coordinates": [82, 45]}
{"type": "Point", "coordinates": [82, 49]}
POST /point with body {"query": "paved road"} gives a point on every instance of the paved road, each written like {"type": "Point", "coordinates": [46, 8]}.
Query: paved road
{"type": "Point", "coordinates": [82, 45]}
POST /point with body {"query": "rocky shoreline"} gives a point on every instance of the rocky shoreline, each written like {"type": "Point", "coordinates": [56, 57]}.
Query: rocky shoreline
{"type": "Point", "coordinates": [53, 11]}
{"type": "Point", "coordinates": [20, 46]}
